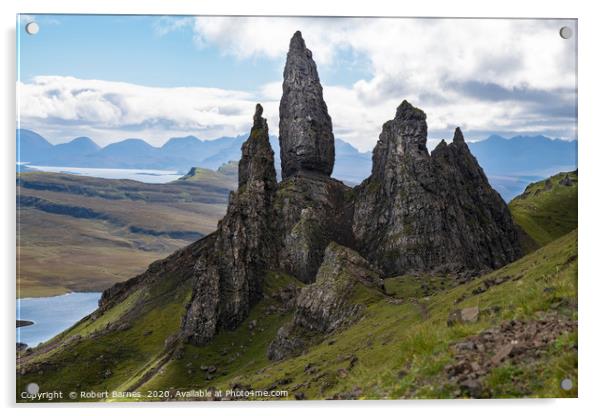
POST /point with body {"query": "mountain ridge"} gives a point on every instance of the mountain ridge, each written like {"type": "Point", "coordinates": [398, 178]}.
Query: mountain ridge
{"type": "Point", "coordinates": [510, 163]}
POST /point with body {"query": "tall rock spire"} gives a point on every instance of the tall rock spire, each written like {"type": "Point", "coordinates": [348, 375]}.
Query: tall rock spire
{"type": "Point", "coordinates": [306, 138]}
{"type": "Point", "coordinates": [257, 159]}
{"type": "Point", "coordinates": [229, 272]}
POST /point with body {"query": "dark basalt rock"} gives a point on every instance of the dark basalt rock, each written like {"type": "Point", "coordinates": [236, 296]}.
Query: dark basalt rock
{"type": "Point", "coordinates": [257, 160]}
{"type": "Point", "coordinates": [229, 275]}
{"type": "Point", "coordinates": [306, 138]}
{"type": "Point", "coordinates": [328, 304]}
{"type": "Point", "coordinates": [419, 212]}
{"type": "Point", "coordinates": [479, 221]}
{"type": "Point", "coordinates": [312, 210]}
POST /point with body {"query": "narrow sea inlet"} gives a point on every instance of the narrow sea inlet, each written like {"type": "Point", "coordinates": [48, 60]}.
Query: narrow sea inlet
{"type": "Point", "coordinates": [51, 315]}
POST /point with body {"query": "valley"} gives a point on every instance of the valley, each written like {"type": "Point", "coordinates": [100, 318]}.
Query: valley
{"type": "Point", "coordinates": [78, 233]}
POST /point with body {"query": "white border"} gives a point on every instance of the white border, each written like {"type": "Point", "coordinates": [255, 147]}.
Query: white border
{"type": "Point", "coordinates": [590, 140]}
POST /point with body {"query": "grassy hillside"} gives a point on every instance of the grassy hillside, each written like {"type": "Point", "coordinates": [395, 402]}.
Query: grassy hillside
{"type": "Point", "coordinates": [522, 341]}
{"type": "Point", "coordinates": [225, 177]}
{"type": "Point", "coordinates": [78, 233]}
{"type": "Point", "coordinates": [547, 209]}
{"type": "Point", "coordinates": [402, 348]}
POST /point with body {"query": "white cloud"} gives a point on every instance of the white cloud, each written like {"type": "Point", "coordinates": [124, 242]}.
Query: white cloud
{"type": "Point", "coordinates": [245, 37]}
{"type": "Point", "coordinates": [504, 76]}
{"type": "Point", "coordinates": [419, 52]}
{"type": "Point", "coordinates": [65, 107]}
{"type": "Point", "coordinates": [168, 24]}
{"type": "Point", "coordinates": [445, 66]}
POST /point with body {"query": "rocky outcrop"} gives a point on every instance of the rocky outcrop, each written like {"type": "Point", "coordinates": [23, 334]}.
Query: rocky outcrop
{"type": "Point", "coordinates": [313, 210]}
{"type": "Point", "coordinates": [228, 276]}
{"type": "Point", "coordinates": [329, 304]}
{"type": "Point", "coordinates": [419, 212]}
{"type": "Point", "coordinates": [306, 138]}
{"type": "Point", "coordinates": [484, 231]}
{"type": "Point", "coordinates": [463, 316]}
{"type": "Point", "coordinates": [256, 164]}
{"type": "Point", "coordinates": [515, 342]}
{"type": "Point", "coordinates": [566, 180]}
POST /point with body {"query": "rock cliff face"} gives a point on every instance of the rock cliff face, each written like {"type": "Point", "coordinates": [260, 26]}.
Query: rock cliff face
{"type": "Point", "coordinates": [228, 276]}
{"type": "Point", "coordinates": [306, 139]}
{"type": "Point", "coordinates": [313, 210]}
{"type": "Point", "coordinates": [484, 231]}
{"type": "Point", "coordinates": [329, 304]}
{"type": "Point", "coordinates": [270, 226]}
{"type": "Point", "coordinates": [312, 207]}
{"type": "Point", "coordinates": [419, 212]}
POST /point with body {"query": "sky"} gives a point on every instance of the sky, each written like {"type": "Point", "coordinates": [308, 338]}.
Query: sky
{"type": "Point", "coordinates": [157, 77]}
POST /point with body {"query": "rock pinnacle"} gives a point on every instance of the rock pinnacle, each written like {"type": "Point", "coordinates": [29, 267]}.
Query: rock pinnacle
{"type": "Point", "coordinates": [306, 138]}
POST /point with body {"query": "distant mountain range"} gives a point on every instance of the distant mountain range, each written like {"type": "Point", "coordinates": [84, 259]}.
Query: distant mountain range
{"type": "Point", "coordinates": [511, 164]}
{"type": "Point", "coordinates": [178, 153]}
{"type": "Point", "coordinates": [524, 154]}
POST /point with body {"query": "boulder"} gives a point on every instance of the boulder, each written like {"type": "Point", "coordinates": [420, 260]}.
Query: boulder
{"type": "Point", "coordinates": [463, 316]}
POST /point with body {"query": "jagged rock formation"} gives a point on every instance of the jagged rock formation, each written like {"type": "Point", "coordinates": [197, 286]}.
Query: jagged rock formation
{"type": "Point", "coordinates": [484, 228]}
{"type": "Point", "coordinates": [419, 212]}
{"type": "Point", "coordinates": [306, 139]}
{"type": "Point", "coordinates": [256, 164]}
{"type": "Point", "coordinates": [331, 303]}
{"type": "Point", "coordinates": [313, 210]}
{"type": "Point", "coordinates": [416, 212]}
{"type": "Point", "coordinates": [228, 276]}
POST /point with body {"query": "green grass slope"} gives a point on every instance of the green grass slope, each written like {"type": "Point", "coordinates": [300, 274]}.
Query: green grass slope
{"type": "Point", "coordinates": [401, 348]}
{"type": "Point", "coordinates": [225, 177]}
{"type": "Point", "coordinates": [125, 345]}
{"type": "Point", "coordinates": [106, 348]}
{"type": "Point", "coordinates": [547, 209]}
{"type": "Point", "coordinates": [523, 343]}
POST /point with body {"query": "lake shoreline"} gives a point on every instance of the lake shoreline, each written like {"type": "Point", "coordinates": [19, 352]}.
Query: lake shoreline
{"type": "Point", "coordinates": [53, 293]}
{"type": "Point", "coordinates": [52, 315]}
{"type": "Point", "coordinates": [66, 293]}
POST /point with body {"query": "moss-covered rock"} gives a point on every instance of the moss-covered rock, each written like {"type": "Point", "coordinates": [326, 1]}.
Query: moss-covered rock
{"type": "Point", "coordinates": [312, 210]}
{"type": "Point", "coordinates": [334, 301]}
{"type": "Point", "coordinates": [229, 274]}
